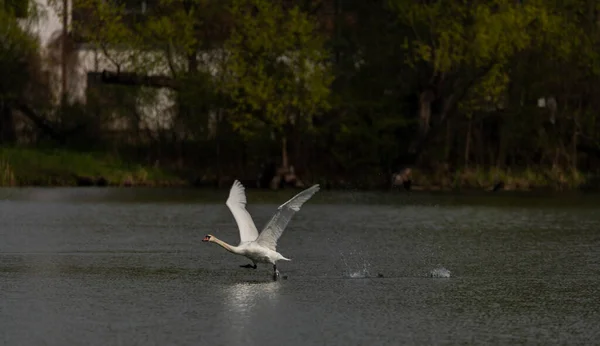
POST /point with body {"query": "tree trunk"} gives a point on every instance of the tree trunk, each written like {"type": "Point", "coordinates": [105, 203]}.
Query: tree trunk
{"type": "Point", "coordinates": [575, 139]}
{"type": "Point", "coordinates": [299, 148]}
{"type": "Point", "coordinates": [337, 6]}
{"type": "Point", "coordinates": [133, 79]}
{"type": "Point", "coordinates": [284, 153]}
{"type": "Point", "coordinates": [42, 123]}
{"type": "Point", "coordinates": [192, 63]}
{"type": "Point", "coordinates": [418, 144]}
{"type": "Point", "coordinates": [63, 60]}
{"type": "Point", "coordinates": [468, 143]}
{"type": "Point", "coordinates": [425, 100]}
{"type": "Point", "coordinates": [448, 142]}
{"type": "Point", "coordinates": [218, 145]}
{"type": "Point", "coordinates": [7, 124]}
{"type": "Point", "coordinates": [481, 145]}
{"type": "Point", "coordinates": [449, 104]}
{"type": "Point", "coordinates": [501, 158]}
{"type": "Point", "coordinates": [179, 145]}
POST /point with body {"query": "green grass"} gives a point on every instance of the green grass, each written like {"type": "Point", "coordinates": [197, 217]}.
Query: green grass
{"type": "Point", "coordinates": [514, 179]}
{"type": "Point", "coordinates": [54, 167]}
{"type": "Point", "coordinates": [57, 167]}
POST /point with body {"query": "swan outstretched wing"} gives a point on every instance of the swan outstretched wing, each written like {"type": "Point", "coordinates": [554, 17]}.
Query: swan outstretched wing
{"type": "Point", "coordinates": [273, 230]}
{"type": "Point", "coordinates": [237, 204]}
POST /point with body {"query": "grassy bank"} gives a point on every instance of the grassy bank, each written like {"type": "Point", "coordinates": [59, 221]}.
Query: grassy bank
{"type": "Point", "coordinates": [472, 179]}
{"type": "Point", "coordinates": [524, 179]}
{"type": "Point", "coordinates": [52, 167]}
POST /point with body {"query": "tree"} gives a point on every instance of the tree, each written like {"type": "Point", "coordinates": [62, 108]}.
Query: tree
{"type": "Point", "coordinates": [278, 69]}
{"type": "Point", "coordinates": [18, 47]}
{"type": "Point", "coordinates": [460, 51]}
{"type": "Point", "coordinates": [22, 86]}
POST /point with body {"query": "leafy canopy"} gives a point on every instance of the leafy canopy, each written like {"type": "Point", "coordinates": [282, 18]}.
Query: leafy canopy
{"type": "Point", "coordinates": [277, 65]}
{"type": "Point", "coordinates": [18, 50]}
{"type": "Point", "coordinates": [451, 39]}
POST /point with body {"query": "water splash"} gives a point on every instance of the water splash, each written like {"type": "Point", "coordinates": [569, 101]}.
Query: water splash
{"type": "Point", "coordinates": [440, 272]}
{"type": "Point", "coordinates": [357, 267]}
{"type": "Point", "coordinates": [359, 274]}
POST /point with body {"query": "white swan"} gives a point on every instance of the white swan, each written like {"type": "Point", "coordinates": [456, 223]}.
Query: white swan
{"type": "Point", "coordinates": [260, 248]}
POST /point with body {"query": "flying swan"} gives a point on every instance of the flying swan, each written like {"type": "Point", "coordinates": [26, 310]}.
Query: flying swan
{"type": "Point", "coordinates": [260, 248]}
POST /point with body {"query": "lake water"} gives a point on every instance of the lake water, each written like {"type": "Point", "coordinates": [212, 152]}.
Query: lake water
{"type": "Point", "coordinates": [127, 267]}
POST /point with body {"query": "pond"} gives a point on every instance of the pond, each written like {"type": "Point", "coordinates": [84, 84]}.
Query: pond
{"type": "Point", "coordinates": [93, 266]}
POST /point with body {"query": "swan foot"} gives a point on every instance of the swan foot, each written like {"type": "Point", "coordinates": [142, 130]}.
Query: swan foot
{"type": "Point", "coordinates": [275, 273]}
{"type": "Point", "coordinates": [249, 266]}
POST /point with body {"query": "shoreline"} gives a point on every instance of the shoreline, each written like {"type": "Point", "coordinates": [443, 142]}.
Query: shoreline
{"type": "Point", "coordinates": [327, 187]}
{"type": "Point", "coordinates": [75, 181]}
{"type": "Point", "coordinates": [23, 167]}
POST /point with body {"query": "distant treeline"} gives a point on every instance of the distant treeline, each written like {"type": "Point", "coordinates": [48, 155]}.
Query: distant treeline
{"type": "Point", "coordinates": [347, 91]}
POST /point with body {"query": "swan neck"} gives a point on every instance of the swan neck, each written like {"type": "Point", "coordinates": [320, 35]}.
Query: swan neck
{"type": "Point", "coordinates": [226, 246]}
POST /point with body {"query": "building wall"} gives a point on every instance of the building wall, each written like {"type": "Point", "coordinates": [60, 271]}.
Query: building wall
{"type": "Point", "coordinates": [47, 26]}
{"type": "Point", "coordinates": [48, 22]}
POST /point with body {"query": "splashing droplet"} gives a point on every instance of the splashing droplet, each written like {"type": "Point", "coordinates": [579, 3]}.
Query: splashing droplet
{"type": "Point", "coordinates": [358, 269]}
{"type": "Point", "coordinates": [439, 273]}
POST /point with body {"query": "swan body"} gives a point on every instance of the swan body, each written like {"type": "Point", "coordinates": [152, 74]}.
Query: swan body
{"type": "Point", "coordinates": [260, 248]}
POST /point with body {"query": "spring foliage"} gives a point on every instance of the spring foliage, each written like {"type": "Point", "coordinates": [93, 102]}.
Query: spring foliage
{"type": "Point", "coordinates": [277, 66]}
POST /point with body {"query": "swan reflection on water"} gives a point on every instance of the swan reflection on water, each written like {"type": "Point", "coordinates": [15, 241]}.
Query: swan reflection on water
{"type": "Point", "coordinates": [242, 297]}
{"type": "Point", "coordinates": [244, 303]}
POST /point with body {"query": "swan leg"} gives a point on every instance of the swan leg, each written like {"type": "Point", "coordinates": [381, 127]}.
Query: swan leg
{"type": "Point", "coordinates": [249, 266]}
{"type": "Point", "coordinates": [275, 272]}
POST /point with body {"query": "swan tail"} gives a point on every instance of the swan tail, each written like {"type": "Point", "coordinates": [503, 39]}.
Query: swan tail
{"type": "Point", "coordinates": [285, 259]}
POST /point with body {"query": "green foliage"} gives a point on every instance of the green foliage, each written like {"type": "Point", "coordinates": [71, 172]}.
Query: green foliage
{"type": "Point", "coordinates": [7, 176]}
{"type": "Point", "coordinates": [172, 24]}
{"type": "Point", "coordinates": [449, 35]}
{"type": "Point", "coordinates": [489, 92]}
{"type": "Point", "coordinates": [104, 27]}
{"type": "Point", "coordinates": [277, 66]}
{"type": "Point", "coordinates": [19, 50]}
{"type": "Point", "coordinates": [159, 41]}
{"type": "Point", "coordinates": [359, 73]}
{"type": "Point", "coordinates": [166, 40]}
{"type": "Point", "coordinates": [61, 167]}
{"type": "Point", "coordinates": [452, 40]}
{"type": "Point", "coordinates": [20, 8]}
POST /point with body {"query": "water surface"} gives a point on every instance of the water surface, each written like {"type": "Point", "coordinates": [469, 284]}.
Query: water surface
{"type": "Point", "coordinates": [127, 267]}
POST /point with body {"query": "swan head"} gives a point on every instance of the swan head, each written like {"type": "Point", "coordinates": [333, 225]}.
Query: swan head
{"type": "Point", "coordinates": [207, 237]}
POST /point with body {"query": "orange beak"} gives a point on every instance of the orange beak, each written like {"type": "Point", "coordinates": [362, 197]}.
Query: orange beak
{"type": "Point", "coordinates": [207, 238]}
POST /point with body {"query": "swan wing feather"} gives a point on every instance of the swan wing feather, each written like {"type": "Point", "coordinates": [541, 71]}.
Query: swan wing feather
{"type": "Point", "coordinates": [237, 205]}
{"type": "Point", "coordinates": [273, 230]}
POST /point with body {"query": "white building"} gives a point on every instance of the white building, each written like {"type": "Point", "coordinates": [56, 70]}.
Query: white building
{"type": "Point", "coordinates": [48, 27]}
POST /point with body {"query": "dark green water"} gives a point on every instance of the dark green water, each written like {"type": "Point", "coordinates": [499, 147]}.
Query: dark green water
{"type": "Point", "coordinates": [127, 267]}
